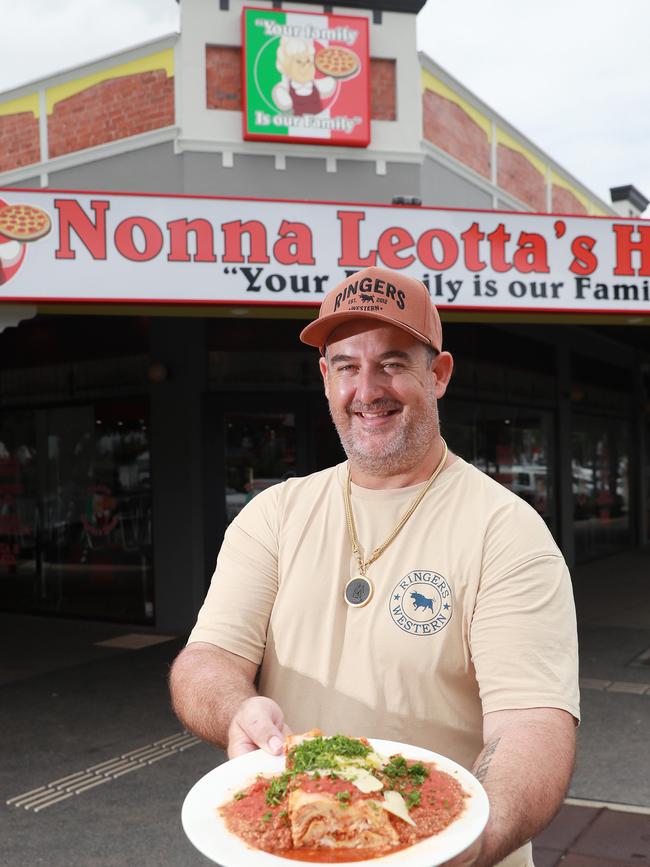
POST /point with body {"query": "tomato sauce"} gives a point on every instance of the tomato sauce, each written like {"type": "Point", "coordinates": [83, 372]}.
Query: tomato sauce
{"type": "Point", "coordinates": [441, 801]}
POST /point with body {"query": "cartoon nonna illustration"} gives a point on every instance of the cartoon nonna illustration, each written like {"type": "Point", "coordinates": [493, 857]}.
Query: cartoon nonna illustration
{"type": "Point", "coordinates": [300, 91]}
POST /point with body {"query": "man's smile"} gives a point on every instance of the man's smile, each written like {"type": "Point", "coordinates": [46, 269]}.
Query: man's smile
{"type": "Point", "coordinates": [376, 414]}
{"type": "Point", "coordinates": [374, 417]}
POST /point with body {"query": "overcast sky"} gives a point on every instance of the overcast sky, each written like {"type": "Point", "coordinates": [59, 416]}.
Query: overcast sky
{"type": "Point", "coordinates": [572, 75]}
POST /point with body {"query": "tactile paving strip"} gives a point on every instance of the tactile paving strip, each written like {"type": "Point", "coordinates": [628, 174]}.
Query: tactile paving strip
{"type": "Point", "coordinates": [75, 784]}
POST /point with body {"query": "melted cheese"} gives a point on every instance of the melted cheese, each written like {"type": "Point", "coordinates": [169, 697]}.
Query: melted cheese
{"type": "Point", "coordinates": [395, 804]}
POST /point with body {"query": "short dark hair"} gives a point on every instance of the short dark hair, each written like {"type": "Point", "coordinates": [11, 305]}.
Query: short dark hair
{"type": "Point", "coordinates": [431, 353]}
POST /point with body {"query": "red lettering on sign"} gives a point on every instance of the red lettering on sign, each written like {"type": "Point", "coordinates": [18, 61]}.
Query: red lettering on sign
{"type": "Point", "coordinates": [584, 261]}
{"type": "Point", "coordinates": [350, 254]}
{"type": "Point", "coordinates": [125, 242]}
{"type": "Point", "coordinates": [233, 233]}
{"type": "Point", "coordinates": [179, 231]}
{"type": "Point", "coordinates": [295, 244]}
{"type": "Point", "coordinates": [498, 240]}
{"type": "Point", "coordinates": [447, 243]}
{"type": "Point", "coordinates": [471, 238]}
{"type": "Point", "coordinates": [625, 246]}
{"type": "Point", "coordinates": [92, 235]}
{"type": "Point", "coordinates": [531, 254]}
{"type": "Point", "coordinates": [391, 243]}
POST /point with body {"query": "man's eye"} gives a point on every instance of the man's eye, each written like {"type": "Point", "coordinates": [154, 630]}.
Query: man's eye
{"type": "Point", "coordinates": [393, 365]}
{"type": "Point", "coordinates": [345, 368]}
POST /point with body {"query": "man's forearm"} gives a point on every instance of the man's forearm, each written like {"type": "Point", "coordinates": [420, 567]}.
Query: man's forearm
{"type": "Point", "coordinates": [525, 768]}
{"type": "Point", "coordinates": [207, 686]}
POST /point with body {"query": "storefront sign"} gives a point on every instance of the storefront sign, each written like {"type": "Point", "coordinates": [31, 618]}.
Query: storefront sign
{"type": "Point", "coordinates": [305, 77]}
{"type": "Point", "coordinates": [100, 247]}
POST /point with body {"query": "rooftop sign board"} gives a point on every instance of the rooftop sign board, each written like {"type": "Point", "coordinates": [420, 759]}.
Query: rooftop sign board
{"type": "Point", "coordinates": [305, 77]}
{"type": "Point", "coordinates": [58, 246]}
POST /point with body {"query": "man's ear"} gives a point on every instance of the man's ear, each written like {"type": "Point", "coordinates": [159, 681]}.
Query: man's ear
{"type": "Point", "coordinates": [443, 366]}
{"type": "Point", "coordinates": [322, 365]}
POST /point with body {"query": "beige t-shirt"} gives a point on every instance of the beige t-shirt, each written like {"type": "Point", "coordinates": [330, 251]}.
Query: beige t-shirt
{"type": "Point", "coordinates": [472, 609]}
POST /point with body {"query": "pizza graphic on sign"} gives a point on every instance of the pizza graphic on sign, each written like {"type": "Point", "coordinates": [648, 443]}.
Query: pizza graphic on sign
{"type": "Point", "coordinates": [305, 77]}
{"type": "Point", "coordinates": [20, 225]}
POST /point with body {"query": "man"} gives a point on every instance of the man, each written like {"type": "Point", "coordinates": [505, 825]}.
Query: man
{"type": "Point", "coordinates": [401, 595]}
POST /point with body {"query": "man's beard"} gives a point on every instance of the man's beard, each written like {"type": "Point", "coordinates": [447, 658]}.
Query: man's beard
{"type": "Point", "coordinates": [404, 449]}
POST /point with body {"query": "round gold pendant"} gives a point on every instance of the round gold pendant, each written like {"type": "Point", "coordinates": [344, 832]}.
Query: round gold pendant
{"type": "Point", "coordinates": [358, 591]}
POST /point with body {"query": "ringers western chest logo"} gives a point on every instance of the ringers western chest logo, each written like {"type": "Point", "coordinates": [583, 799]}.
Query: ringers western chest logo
{"type": "Point", "coordinates": [421, 603]}
{"type": "Point", "coordinates": [370, 296]}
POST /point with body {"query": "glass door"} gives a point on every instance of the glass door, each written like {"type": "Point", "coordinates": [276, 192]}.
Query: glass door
{"type": "Point", "coordinates": [75, 528]}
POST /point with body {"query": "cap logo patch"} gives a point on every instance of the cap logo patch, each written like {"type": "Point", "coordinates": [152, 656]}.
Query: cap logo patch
{"type": "Point", "coordinates": [377, 292]}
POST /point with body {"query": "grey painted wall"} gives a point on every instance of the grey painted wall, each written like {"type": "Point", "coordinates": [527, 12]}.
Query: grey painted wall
{"type": "Point", "coordinates": [158, 169]}
{"type": "Point", "coordinates": [28, 184]}
{"type": "Point", "coordinates": [149, 170]}
{"type": "Point", "coordinates": [251, 175]}
{"type": "Point", "coordinates": [444, 189]}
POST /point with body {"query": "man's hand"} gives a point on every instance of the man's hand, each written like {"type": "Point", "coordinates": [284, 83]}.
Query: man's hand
{"type": "Point", "coordinates": [259, 722]}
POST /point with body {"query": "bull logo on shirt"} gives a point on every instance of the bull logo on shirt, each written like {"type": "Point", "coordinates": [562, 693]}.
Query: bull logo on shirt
{"type": "Point", "coordinates": [421, 603]}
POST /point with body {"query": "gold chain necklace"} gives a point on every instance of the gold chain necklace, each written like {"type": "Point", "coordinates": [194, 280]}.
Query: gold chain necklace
{"type": "Point", "coordinates": [359, 589]}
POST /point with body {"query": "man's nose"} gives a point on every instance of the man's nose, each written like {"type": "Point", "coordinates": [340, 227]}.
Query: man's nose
{"type": "Point", "coordinates": [369, 385]}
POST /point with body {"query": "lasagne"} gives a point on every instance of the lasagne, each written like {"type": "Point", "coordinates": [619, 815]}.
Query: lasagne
{"type": "Point", "coordinates": [337, 797]}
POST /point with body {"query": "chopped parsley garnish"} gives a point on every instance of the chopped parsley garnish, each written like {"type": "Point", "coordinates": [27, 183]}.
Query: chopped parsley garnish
{"type": "Point", "coordinates": [267, 817]}
{"type": "Point", "coordinates": [239, 795]}
{"type": "Point", "coordinates": [398, 768]}
{"type": "Point", "coordinates": [311, 755]}
{"type": "Point", "coordinates": [413, 798]}
{"type": "Point", "coordinates": [277, 789]}
{"type": "Point", "coordinates": [418, 773]}
{"type": "Point", "coordinates": [324, 753]}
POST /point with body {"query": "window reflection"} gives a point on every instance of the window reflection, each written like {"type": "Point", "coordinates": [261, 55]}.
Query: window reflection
{"type": "Point", "coordinates": [601, 485]}
{"type": "Point", "coordinates": [260, 452]}
{"type": "Point", "coordinates": [510, 444]}
{"type": "Point", "coordinates": [18, 480]}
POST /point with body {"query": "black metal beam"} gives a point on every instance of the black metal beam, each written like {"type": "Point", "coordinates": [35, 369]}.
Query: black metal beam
{"type": "Point", "coordinates": [411, 7]}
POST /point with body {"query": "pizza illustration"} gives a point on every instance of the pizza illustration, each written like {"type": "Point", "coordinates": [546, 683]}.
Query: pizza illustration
{"type": "Point", "coordinates": [24, 222]}
{"type": "Point", "coordinates": [337, 61]}
{"type": "Point", "coordinates": [19, 225]}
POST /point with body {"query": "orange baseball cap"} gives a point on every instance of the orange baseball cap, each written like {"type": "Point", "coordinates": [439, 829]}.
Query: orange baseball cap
{"type": "Point", "coordinates": [377, 293]}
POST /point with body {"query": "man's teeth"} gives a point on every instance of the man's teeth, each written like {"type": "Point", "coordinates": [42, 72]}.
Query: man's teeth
{"type": "Point", "coordinates": [375, 414]}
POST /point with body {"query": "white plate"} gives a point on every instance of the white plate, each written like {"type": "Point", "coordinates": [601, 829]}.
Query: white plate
{"type": "Point", "coordinates": [207, 831]}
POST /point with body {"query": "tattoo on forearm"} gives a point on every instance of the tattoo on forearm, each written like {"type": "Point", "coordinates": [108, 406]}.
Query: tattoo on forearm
{"type": "Point", "coordinates": [484, 760]}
